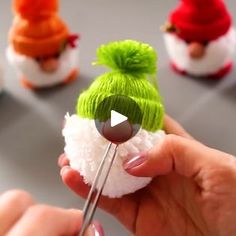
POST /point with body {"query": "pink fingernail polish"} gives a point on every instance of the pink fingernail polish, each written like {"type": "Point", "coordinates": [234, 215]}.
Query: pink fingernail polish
{"type": "Point", "coordinates": [95, 229]}
{"type": "Point", "coordinates": [135, 161]}
{"type": "Point", "coordinates": [60, 159]}
{"type": "Point", "coordinates": [98, 229]}
{"type": "Point", "coordinates": [64, 169]}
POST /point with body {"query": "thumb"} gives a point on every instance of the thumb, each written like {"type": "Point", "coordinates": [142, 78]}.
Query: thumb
{"type": "Point", "coordinates": [176, 154]}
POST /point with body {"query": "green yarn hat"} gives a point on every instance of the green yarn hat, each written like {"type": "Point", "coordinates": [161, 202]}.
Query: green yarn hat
{"type": "Point", "coordinates": [133, 71]}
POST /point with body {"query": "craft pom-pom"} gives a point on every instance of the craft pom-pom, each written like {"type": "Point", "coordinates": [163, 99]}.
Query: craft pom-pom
{"type": "Point", "coordinates": [128, 56]}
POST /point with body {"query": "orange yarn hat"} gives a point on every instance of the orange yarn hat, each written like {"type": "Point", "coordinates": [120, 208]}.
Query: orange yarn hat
{"type": "Point", "coordinates": [37, 30]}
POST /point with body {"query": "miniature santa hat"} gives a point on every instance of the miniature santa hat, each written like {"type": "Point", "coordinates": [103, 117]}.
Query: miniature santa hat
{"type": "Point", "coordinates": [131, 64]}
{"type": "Point", "coordinates": [37, 29]}
{"type": "Point", "coordinates": [201, 20]}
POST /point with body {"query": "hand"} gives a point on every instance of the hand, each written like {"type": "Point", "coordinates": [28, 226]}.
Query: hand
{"type": "Point", "coordinates": [21, 216]}
{"type": "Point", "coordinates": [193, 191]}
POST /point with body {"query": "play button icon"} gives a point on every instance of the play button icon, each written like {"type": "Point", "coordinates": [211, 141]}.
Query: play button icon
{"type": "Point", "coordinates": [118, 118]}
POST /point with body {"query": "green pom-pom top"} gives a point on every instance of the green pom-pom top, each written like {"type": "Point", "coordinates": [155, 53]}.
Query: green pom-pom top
{"type": "Point", "coordinates": [128, 57]}
{"type": "Point", "coordinates": [132, 66]}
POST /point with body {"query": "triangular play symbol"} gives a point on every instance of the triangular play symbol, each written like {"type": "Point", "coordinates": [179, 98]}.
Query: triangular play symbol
{"type": "Point", "coordinates": [117, 118]}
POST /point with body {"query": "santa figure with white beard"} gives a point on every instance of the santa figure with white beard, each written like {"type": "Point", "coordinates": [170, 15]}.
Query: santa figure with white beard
{"type": "Point", "coordinates": [41, 46]}
{"type": "Point", "coordinates": [200, 38]}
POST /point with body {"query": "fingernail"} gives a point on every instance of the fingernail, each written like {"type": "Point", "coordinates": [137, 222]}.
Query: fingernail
{"type": "Point", "coordinates": [95, 229]}
{"type": "Point", "coordinates": [64, 170]}
{"type": "Point", "coordinates": [135, 161]}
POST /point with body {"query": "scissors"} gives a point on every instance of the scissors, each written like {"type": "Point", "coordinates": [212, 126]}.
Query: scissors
{"type": "Point", "coordinates": [98, 184]}
{"type": "Point", "coordinates": [116, 133]}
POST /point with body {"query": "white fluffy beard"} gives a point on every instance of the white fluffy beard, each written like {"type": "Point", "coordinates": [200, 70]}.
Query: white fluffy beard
{"type": "Point", "coordinates": [30, 69]}
{"type": "Point", "coordinates": [84, 147]}
{"type": "Point", "coordinates": [218, 54]}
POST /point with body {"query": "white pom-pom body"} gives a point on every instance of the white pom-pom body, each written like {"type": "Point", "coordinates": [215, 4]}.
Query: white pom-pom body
{"type": "Point", "coordinates": [85, 148]}
{"type": "Point", "coordinates": [29, 68]}
{"type": "Point", "coordinates": [219, 53]}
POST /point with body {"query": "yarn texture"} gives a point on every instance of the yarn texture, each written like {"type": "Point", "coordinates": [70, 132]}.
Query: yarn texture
{"type": "Point", "coordinates": [133, 67]}
{"type": "Point", "coordinates": [201, 39]}
{"type": "Point", "coordinates": [28, 67]}
{"type": "Point", "coordinates": [41, 47]}
{"type": "Point", "coordinates": [37, 29]}
{"type": "Point", "coordinates": [201, 20]}
{"type": "Point", "coordinates": [132, 71]}
{"type": "Point", "coordinates": [218, 54]}
{"type": "Point", "coordinates": [85, 148]}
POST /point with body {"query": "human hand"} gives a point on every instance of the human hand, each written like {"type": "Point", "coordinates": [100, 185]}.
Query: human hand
{"type": "Point", "coordinates": [21, 216]}
{"type": "Point", "coordinates": [193, 191]}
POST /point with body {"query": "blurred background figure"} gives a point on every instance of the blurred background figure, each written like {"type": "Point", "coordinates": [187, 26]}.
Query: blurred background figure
{"type": "Point", "coordinates": [41, 46]}
{"type": "Point", "coordinates": [200, 38]}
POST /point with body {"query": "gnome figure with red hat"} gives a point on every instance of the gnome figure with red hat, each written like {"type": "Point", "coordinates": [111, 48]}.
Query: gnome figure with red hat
{"type": "Point", "coordinates": [200, 38]}
{"type": "Point", "coordinates": [41, 46]}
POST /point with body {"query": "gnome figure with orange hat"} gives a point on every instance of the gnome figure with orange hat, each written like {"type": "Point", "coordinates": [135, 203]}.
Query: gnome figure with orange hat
{"type": "Point", "coordinates": [200, 38]}
{"type": "Point", "coordinates": [41, 47]}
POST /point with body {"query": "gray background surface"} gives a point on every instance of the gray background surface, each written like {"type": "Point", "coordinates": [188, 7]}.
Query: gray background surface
{"type": "Point", "coordinates": [30, 123]}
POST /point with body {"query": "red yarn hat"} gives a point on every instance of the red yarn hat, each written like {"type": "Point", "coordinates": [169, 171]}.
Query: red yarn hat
{"type": "Point", "coordinates": [201, 20]}
{"type": "Point", "coordinates": [37, 30]}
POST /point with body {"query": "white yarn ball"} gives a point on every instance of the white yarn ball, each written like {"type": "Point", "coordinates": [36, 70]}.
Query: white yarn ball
{"type": "Point", "coordinates": [85, 148]}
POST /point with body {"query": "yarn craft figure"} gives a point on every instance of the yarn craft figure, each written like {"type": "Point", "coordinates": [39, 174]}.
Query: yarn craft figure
{"type": "Point", "coordinates": [133, 69]}
{"type": "Point", "coordinates": [200, 38]}
{"type": "Point", "coordinates": [41, 47]}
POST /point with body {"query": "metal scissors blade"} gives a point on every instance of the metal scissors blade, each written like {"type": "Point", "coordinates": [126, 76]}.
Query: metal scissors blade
{"type": "Point", "coordinates": [90, 205]}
